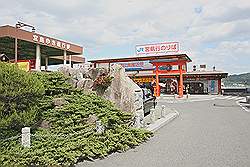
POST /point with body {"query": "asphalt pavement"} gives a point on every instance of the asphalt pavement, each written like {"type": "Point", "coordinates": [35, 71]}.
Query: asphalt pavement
{"type": "Point", "coordinates": [211, 133]}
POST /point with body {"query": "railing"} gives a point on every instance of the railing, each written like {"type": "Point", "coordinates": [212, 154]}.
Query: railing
{"type": "Point", "coordinates": [240, 91]}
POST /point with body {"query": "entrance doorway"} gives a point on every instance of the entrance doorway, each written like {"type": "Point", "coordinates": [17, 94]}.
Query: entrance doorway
{"type": "Point", "coordinates": [168, 86]}
{"type": "Point", "coordinates": [194, 88]}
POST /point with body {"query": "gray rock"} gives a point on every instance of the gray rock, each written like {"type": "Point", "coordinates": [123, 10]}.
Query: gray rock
{"type": "Point", "coordinates": [88, 84]}
{"type": "Point", "coordinates": [72, 72]}
{"type": "Point", "coordinates": [79, 75]}
{"type": "Point", "coordinates": [92, 119]}
{"type": "Point", "coordinates": [64, 70]}
{"type": "Point", "coordinates": [84, 72]}
{"type": "Point", "coordinates": [73, 82]}
{"type": "Point", "coordinates": [122, 90]}
{"type": "Point", "coordinates": [58, 102]}
{"type": "Point", "coordinates": [80, 84]}
{"type": "Point", "coordinates": [45, 124]}
{"type": "Point", "coordinates": [85, 83]}
{"type": "Point", "coordinates": [93, 73]}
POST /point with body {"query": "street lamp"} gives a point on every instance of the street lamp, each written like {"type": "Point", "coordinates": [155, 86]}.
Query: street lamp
{"type": "Point", "coordinates": [20, 25]}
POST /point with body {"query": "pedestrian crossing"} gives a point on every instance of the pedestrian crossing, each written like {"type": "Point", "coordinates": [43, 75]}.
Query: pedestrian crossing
{"type": "Point", "coordinates": [194, 98]}
{"type": "Point", "coordinates": [236, 98]}
{"type": "Point", "coordinates": [241, 101]}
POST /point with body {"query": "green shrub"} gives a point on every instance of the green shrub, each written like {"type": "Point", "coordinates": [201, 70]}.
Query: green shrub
{"type": "Point", "coordinates": [55, 83]}
{"type": "Point", "coordinates": [19, 93]}
{"type": "Point", "coordinates": [71, 138]}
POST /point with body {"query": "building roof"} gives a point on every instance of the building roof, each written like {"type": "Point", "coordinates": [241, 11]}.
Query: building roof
{"type": "Point", "coordinates": [144, 58]}
{"type": "Point", "coordinates": [204, 72]}
{"type": "Point", "coordinates": [27, 45]}
{"type": "Point", "coordinates": [9, 31]}
{"type": "Point", "coordinates": [187, 74]}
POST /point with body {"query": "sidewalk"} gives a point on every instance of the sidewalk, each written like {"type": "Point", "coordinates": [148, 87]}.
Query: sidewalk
{"type": "Point", "coordinates": [159, 119]}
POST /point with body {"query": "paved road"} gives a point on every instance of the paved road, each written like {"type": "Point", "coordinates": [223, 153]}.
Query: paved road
{"type": "Point", "coordinates": [203, 135]}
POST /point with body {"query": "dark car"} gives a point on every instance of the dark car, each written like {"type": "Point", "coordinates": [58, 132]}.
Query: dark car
{"type": "Point", "coordinates": [149, 101]}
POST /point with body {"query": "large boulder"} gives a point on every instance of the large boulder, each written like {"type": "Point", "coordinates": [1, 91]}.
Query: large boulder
{"type": "Point", "coordinates": [85, 83]}
{"type": "Point", "coordinates": [93, 73]}
{"type": "Point", "coordinates": [80, 73]}
{"type": "Point", "coordinates": [79, 78]}
{"type": "Point", "coordinates": [71, 72]}
{"type": "Point", "coordinates": [73, 82]}
{"type": "Point", "coordinates": [122, 91]}
{"type": "Point", "coordinates": [65, 70]}
{"type": "Point", "coordinates": [85, 72]}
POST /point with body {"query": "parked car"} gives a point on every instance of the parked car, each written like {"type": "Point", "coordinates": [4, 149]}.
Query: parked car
{"type": "Point", "coordinates": [149, 101]}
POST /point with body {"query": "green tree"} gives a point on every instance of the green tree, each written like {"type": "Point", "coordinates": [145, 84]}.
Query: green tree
{"type": "Point", "coordinates": [19, 94]}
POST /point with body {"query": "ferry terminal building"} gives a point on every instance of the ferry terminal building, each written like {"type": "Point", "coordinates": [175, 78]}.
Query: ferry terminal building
{"type": "Point", "coordinates": [168, 71]}
{"type": "Point", "coordinates": [36, 50]}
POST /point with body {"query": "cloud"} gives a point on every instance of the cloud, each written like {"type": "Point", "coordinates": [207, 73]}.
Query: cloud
{"type": "Point", "coordinates": [231, 56]}
{"type": "Point", "coordinates": [203, 28]}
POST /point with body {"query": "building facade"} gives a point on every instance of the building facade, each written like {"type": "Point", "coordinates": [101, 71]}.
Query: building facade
{"type": "Point", "coordinates": [38, 50]}
{"type": "Point", "coordinates": [171, 71]}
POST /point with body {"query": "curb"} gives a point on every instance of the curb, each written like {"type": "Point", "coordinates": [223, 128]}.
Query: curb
{"type": "Point", "coordinates": [242, 106]}
{"type": "Point", "coordinates": [163, 121]}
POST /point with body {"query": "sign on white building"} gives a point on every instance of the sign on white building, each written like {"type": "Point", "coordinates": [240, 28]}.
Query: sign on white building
{"type": "Point", "coordinates": [157, 48]}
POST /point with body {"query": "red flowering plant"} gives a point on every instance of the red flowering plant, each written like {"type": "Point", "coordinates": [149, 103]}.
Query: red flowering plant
{"type": "Point", "coordinates": [102, 82]}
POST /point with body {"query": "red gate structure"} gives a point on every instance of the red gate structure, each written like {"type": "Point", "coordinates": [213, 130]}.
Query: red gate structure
{"type": "Point", "coordinates": [182, 66]}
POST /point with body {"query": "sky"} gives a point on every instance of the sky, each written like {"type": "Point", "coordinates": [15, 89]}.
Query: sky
{"type": "Point", "coordinates": [211, 32]}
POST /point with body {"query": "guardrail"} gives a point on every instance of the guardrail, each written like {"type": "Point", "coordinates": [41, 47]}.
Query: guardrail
{"type": "Point", "coordinates": [237, 91]}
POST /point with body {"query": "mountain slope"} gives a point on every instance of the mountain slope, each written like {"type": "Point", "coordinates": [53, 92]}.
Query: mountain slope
{"type": "Point", "coordinates": [240, 80]}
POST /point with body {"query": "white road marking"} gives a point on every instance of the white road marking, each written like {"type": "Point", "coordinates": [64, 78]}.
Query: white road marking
{"type": "Point", "coordinates": [237, 99]}
{"type": "Point", "coordinates": [184, 100]}
{"type": "Point", "coordinates": [239, 102]}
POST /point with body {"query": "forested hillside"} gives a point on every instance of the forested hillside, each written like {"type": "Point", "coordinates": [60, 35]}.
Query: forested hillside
{"type": "Point", "coordinates": [240, 80]}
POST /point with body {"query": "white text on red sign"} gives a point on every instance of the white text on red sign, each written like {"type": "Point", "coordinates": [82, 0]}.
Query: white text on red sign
{"type": "Point", "coordinates": [51, 42]}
